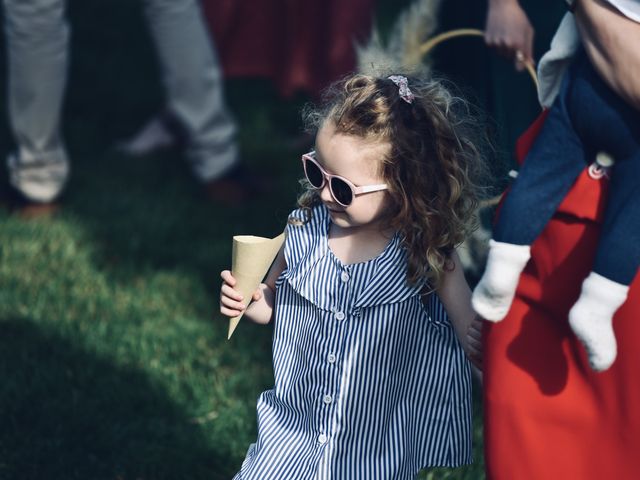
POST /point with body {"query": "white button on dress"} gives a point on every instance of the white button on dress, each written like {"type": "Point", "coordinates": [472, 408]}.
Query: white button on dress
{"type": "Point", "coordinates": [322, 439]}
{"type": "Point", "coordinates": [339, 315]}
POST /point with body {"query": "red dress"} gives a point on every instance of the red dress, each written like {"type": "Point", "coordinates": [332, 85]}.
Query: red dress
{"type": "Point", "coordinates": [547, 415]}
{"type": "Point", "coordinates": [302, 45]}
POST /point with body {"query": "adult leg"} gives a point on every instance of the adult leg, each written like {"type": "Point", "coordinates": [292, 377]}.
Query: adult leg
{"type": "Point", "coordinates": [37, 41]}
{"type": "Point", "coordinates": [194, 85]}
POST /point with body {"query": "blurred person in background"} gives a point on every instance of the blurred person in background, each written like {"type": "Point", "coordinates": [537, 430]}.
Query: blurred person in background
{"type": "Point", "coordinates": [509, 31]}
{"type": "Point", "coordinates": [509, 96]}
{"type": "Point", "coordinates": [37, 35]}
{"type": "Point", "coordinates": [301, 46]}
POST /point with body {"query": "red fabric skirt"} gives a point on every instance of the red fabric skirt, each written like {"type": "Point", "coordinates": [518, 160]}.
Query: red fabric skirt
{"type": "Point", "coordinates": [547, 415]}
{"type": "Point", "coordinates": [302, 45]}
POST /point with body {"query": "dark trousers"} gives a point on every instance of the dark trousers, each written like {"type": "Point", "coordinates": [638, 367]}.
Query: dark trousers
{"type": "Point", "coordinates": [587, 117]}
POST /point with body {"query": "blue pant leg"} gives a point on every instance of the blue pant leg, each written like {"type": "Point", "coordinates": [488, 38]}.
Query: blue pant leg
{"type": "Point", "coordinates": [550, 169]}
{"type": "Point", "coordinates": [606, 123]}
{"type": "Point", "coordinates": [618, 253]}
{"type": "Point", "coordinates": [602, 119]}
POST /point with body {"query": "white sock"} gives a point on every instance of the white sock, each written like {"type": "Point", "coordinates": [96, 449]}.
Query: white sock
{"type": "Point", "coordinates": [591, 318]}
{"type": "Point", "coordinates": [494, 293]}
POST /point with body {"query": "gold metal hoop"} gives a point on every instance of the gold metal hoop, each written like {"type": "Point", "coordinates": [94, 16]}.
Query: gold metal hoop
{"type": "Point", "coordinates": [426, 47]}
{"type": "Point", "coordinates": [430, 44]}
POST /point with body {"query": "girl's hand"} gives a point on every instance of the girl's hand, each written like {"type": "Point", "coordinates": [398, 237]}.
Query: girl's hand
{"type": "Point", "coordinates": [509, 31]}
{"type": "Point", "coordinates": [473, 342]}
{"type": "Point", "coordinates": [231, 301]}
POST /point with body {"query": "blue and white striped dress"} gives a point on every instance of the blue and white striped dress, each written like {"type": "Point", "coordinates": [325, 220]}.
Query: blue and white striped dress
{"type": "Point", "coordinates": [370, 383]}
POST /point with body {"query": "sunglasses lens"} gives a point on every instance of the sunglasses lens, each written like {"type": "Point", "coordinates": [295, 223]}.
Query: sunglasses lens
{"type": "Point", "coordinates": [341, 191]}
{"type": "Point", "coordinates": [314, 175]}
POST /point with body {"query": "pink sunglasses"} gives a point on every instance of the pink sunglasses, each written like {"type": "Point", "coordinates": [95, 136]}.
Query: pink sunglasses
{"type": "Point", "coordinates": [342, 190]}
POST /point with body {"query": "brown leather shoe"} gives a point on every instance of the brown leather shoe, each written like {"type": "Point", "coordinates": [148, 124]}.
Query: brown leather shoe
{"type": "Point", "coordinates": [37, 210]}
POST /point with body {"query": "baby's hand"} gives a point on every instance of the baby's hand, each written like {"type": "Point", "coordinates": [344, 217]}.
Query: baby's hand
{"type": "Point", "coordinates": [231, 301]}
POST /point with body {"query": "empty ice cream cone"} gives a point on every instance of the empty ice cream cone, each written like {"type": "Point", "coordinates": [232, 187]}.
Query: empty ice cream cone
{"type": "Point", "coordinates": [251, 258]}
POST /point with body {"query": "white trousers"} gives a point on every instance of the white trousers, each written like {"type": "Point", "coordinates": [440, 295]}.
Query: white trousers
{"type": "Point", "coordinates": [38, 43]}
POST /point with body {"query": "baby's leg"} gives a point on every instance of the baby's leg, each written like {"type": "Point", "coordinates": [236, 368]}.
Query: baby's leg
{"type": "Point", "coordinates": [599, 116]}
{"type": "Point", "coordinates": [616, 264]}
{"type": "Point", "coordinates": [606, 288]}
{"type": "Point", "coordinates": [549, 171]}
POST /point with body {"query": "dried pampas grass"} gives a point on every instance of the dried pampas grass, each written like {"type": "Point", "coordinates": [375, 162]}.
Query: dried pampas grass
{"type": "Point", "coordinates": [402, 49]}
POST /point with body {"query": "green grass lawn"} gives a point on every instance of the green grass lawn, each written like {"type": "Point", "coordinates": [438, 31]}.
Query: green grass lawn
{"type": "Point", "coordinates": [114, 362]}
{"type": "Point", "coordinates": [113, 358]}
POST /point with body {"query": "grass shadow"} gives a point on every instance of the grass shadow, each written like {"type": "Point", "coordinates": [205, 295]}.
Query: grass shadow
{"type": "Point", "coordinates": [82, 417]}
{"type": "Point", "coordinates": [70, 414]}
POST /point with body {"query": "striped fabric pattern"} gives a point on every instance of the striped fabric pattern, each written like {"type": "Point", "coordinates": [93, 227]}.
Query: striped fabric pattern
{"type": "Point", "coordinates": [370, 382]}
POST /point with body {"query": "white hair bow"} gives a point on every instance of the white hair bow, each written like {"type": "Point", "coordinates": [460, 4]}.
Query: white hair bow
{"type": "Point", "coordinates": [403, 87]}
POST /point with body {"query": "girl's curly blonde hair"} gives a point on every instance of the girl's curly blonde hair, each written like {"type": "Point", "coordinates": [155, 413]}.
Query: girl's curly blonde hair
{"type": "Point", "coordinates": [433, 166]}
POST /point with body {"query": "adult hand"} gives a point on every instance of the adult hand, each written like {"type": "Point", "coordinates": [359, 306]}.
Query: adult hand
{"type": "Point", "coordinates": [509, 31]}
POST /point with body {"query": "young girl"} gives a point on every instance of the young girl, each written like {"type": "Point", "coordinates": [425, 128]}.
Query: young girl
{"type": "Point", "coordinates": [372, 311]}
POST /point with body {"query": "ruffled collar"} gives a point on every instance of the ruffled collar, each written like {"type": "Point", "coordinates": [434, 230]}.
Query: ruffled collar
{"type": "Point", "coordinates": [388, 282]}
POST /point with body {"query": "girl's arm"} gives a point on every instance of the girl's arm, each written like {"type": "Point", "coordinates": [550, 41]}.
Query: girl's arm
{"type": "Point", "coordinates": [455, 295]}
{"type": "Point", "coordinates": [261, 308]}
